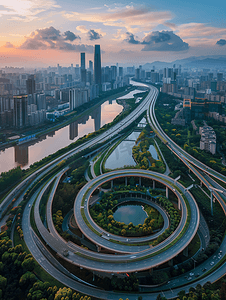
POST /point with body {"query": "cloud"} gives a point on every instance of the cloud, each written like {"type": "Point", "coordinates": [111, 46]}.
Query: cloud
{"type": "Point", "coordinates": [131, 39]}
{"type": "Point", "coordinates": [26, 10]}
{"type": "Point", "coordinates": [82, 29]}
{"type": "Point", "coordinates": [51, 38]}
{"type": "Point", "coordinates": [221, 42]}
{"type": "Point", "coordinates": [194, 30]}
{"type": "Point", "coordinates": [70, 36]}
{"type": "Point", "coordinates": [158, 41]}
{"type": "Point", "coordinates": [128, 16]}
{"type": "Point", "coordinates": [8, 45]}
{"type": "Point", "coordinates": [164, 41]}
{"type": "Point", "coordinates": [93, 35]}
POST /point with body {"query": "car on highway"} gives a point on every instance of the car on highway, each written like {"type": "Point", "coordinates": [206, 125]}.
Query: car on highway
{"type": "Point", "coordinates": [189, 278]}
{"type": "Point", "coordinates": [212, 263]}
{"type": "Point", "coordinates": [203, 270]}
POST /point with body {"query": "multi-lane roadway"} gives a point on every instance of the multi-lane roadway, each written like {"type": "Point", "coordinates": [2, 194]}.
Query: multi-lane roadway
{"type": "Point", "coordinates": [44, 257]}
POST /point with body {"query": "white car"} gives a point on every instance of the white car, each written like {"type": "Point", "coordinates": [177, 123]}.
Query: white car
{"type": "Point", "coordinates": [212, 263]}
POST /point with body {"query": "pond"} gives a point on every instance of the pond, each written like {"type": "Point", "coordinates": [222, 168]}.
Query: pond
{"type": "Point", "coordinates": [121, 156]}
{"type": "Point", "coordinates": [134, 213]}
{"type": "Point", "coordinates": [153, 152]}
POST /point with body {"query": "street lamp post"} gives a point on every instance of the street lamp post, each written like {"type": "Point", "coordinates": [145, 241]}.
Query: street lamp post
{"type": "Point", "coordinates": [211, 188]}
{"type": "Point", "coordinates": [194, 262]}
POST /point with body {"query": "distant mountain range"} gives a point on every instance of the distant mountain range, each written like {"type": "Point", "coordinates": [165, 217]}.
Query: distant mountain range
{"type": "Point", "coordinates": [210, 61]}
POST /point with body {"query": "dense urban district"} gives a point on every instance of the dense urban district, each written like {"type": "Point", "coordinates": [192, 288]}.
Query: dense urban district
{"type": "Point", "coordinates": [128, 200]}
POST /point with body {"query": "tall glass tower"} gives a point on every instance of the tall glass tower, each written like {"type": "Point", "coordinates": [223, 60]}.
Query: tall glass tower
{"type": "Point", "coordinates": [97, 65]}
{"type": "Point", "coordinates": [83, 64]}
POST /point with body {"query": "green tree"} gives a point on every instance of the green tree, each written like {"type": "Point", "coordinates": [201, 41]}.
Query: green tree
{"type": "Point", "coordinates": [28, 264]}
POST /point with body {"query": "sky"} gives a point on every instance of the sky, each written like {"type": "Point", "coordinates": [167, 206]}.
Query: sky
{"type": "Point", "coordinates": [41, 33]}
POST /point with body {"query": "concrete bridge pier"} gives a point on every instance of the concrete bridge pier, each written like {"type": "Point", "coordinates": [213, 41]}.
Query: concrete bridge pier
{"type": "Point", "coordinates": [151, 271]}
{"type": "Point", "coordinates": [167, 192]}
{"type": "Point", "coordinates": [170, 262]}
{"type": "Point", "coordinates": [179, 204]}
{"type": "Point", "coordinates": [153, 184]}
{"type": "Point", "coordinates": [125, 180]}
{"type": "Point", "coordinates": [139, 181]}
{"type": "Point", "coordinates": [211, 203]}
{"type": "Point", "coordinates": [200, 183]}
{"type": "Point", "coordinates": [98, 248]}
{"type": "Point", "coordinates": [185, 252]}
{"type": "Point", "coordinates": [112, 184]}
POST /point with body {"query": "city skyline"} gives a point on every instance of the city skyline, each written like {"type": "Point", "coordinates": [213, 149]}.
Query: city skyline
{"type": "Point", "coordinates": [42, 33]}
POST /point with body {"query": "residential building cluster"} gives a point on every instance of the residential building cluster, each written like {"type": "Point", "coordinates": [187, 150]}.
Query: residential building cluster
{"type": "Point", "coordinates": [208, 139]}
{"type": "Point", "coordinates": [199, 108]}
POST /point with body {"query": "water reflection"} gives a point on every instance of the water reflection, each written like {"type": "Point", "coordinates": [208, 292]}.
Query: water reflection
{"type": "Point", "coordinates": [21, 154]}
{"type": "Point", "coordinates": [130, 213]}
{"type": "Point", "coordinates": [28, 153]}
{"type": "Point", "coordinates": [122, 155]}
{"type": "Point", "coordinates": [95, 115]}
{"type": "Point", "coordinates": [153, 152]}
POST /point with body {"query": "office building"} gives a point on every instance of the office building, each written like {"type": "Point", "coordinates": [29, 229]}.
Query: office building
{"type": "Point", "coordinates": [83, 61]}
{"type": "Point", "coordinates": [91, 66]}
{"type": "Point", "coordinates": [97, 65]}
{"type": "Point", "coordinates": [83, 77]}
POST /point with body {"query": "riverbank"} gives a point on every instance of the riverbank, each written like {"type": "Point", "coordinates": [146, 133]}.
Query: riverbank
{"type": "Point", "coordinates": [71, 117]}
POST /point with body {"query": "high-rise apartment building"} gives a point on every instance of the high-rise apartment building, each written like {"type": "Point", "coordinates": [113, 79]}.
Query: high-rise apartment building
{"type": "Point", "coordinates": [30, 85]}
{"type": "Point", "coordinates": [219, 76]}
{"type": "Point", "coordinates": [114, 72]}
{"type": "Point", "coordinates": [121, 71]}
{"type": "Point", "coordinates": [97, 65]}
{"type": "Point", "coordinates": [20, 111]}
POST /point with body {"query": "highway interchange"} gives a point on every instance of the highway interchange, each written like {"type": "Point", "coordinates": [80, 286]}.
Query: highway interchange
{"type": "Point", "coordinates": [51, 265]}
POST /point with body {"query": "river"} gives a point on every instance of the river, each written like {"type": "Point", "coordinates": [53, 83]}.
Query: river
{"type": "Point", "coordinates": [26, 154]}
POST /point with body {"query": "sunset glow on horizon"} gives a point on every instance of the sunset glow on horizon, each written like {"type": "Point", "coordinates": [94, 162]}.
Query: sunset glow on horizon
{"type": "Point", "coordinates": [41, 33]}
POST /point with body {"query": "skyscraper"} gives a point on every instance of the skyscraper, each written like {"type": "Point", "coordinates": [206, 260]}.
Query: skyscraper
{"type": "Point", "coordinates": [219, 76]}
{"type": "Point", "coordinates": [91, 66]}
{"type": "Point", "coordinates": [83, 63]}
{"type": "Point", "coordinates": [121, 71]}
{"type": "Point", "coordinates": [30, 85]}
{"type": "Point", "coordinates": [20, 111]}
{"type": "Point", "coordinates": [97, 65]}
{"type": "Point", "coordinates": [83, 68]}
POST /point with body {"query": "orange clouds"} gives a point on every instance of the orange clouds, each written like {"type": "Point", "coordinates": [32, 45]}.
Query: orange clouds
{"type": "Point", "coordinates": [124, 17]}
